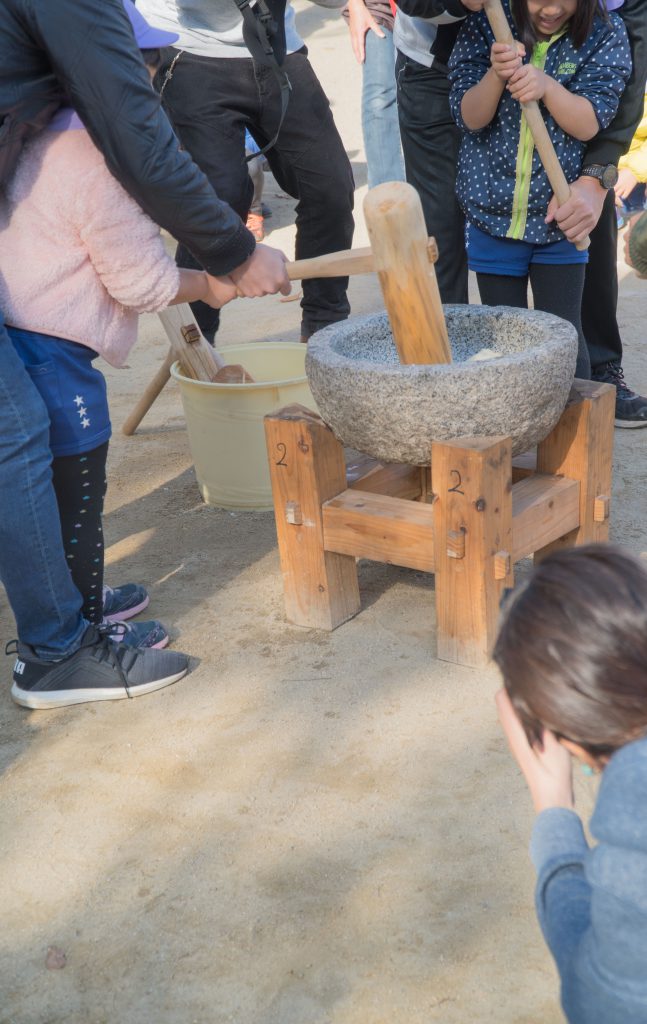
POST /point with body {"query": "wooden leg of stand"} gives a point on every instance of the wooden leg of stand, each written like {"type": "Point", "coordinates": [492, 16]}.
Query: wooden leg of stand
{"type": "Point", "coordinates": [307, 468]}
{"type": "Point", "coordinates": [472, 487]}
{"type": "Point", "coordinates": [152, 392]}
{"type": "Point", "coordinates": [581, 447]}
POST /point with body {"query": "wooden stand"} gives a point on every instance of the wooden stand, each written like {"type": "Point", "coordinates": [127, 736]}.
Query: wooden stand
{"type": "Point", "coordinates": [469, 524]}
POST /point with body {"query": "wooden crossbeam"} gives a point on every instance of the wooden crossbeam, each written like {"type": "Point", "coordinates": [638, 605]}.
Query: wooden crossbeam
{"type": "Point", "coordinates": [381, 528]}
{"type": "Point", "coordinates": [524, 465]}
{"type": "Point", "coordinates": [398, 481]}
{"type": "Point", "coordinates": [544, 508]}
{"type": "Point", "coordinates": [389, 528]}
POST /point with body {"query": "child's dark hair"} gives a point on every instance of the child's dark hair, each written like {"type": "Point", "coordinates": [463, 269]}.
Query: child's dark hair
{"type": "Point", "coordinates": [579, 27]}
{"type": "Point", "coordinates": [572, 648]}
{"type": "Point", "coordinates": [152, 58]}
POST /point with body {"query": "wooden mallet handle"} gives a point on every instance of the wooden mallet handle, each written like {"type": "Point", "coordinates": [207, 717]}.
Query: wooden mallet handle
{"type": "Point", "coordinates": [548, 156]}
{"type": "Point", "coordinates": [345, 263]}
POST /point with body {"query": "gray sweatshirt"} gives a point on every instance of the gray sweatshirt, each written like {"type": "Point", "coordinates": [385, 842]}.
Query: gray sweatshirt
{"type": "Point", "coordinates": [592, 903]}
{"type": "Point", "coordinates": [209, 28]}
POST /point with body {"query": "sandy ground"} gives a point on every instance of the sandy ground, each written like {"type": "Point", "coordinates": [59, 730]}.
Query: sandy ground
{"type": "Point", "coordinates": [312, 828]}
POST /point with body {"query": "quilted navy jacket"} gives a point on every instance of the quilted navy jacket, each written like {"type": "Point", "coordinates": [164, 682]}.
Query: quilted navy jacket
{"type": "Point", "coordinates": [501, 183]}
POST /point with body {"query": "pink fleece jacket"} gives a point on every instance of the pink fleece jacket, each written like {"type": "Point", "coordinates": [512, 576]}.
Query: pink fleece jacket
{"type": "Point", "coordinates": [78, 258]}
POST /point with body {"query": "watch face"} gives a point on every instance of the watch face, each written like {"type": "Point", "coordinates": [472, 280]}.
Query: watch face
{"type": "Point", "coordinates": [609, 176]}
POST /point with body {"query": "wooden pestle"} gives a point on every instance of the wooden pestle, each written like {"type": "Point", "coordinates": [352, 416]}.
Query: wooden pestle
{"type": "Point", "coordinates": [532, 113]}
{"type": "Point", "coordinates": [396, 228]}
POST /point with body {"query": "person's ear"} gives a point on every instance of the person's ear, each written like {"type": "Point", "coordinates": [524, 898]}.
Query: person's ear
{"type": "Point", "coordinates": [578, 752]}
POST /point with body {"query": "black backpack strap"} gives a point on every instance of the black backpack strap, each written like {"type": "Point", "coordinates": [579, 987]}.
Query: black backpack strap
{"type": "Point", "coordinates": [264, 35]}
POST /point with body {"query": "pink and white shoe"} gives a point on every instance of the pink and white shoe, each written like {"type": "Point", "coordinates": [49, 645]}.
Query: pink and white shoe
{"type": "Point", "coordinates": [144, 635]}
{"type": "Point", "coordinates": [121, 603]}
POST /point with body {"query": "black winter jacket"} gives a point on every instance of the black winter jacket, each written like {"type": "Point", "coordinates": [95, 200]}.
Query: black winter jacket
{"type": "Point", "coordinates": [83, 52]}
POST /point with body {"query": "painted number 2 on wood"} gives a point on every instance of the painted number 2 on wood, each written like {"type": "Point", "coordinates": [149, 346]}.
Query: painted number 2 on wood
{"type": "Point", "coordinates": [456, 489]}
{"type": "Point", "coordinates": [282, 450]}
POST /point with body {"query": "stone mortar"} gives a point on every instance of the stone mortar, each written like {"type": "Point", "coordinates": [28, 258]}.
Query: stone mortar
{"type": "Point", "coordinates": [392, 412]}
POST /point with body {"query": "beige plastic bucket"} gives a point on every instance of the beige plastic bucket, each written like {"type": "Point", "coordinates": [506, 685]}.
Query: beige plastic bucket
{"type": "Point", "coordinates": [225, 421]}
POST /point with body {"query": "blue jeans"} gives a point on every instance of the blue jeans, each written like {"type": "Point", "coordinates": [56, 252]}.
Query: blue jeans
{"type": "Point", "coordinates": [33, 568]}
{"type": "Point", "coordinates": [380, 126]}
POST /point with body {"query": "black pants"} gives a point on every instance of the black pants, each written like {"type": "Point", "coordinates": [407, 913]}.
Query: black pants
{"type": "Point", "coordinates": [555, 289]}
{"type": "Point", "coordinates": [80, 486]}
{"type": "Point", "coordinates": [600, 298]}
{"type": "Point", "coordinates": [210, 101]}
{"type": "Point", "coordinates": [430, 143]}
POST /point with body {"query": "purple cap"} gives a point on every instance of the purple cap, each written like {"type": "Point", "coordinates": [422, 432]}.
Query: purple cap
{"type": "Point", "coordinates": [147, 36]}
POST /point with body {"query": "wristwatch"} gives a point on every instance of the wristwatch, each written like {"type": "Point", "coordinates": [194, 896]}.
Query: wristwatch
{"type": "Point", "coordinates": [607, 174]}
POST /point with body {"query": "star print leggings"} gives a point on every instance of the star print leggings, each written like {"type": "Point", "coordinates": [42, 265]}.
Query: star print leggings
{"type": "Point", "coordinates": [75, 397]}
{"type": "Point", "coordinates": [80, 486]}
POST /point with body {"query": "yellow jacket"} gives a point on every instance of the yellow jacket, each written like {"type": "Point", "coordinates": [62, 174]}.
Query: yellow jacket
{"type": "Point", "coordinates": [636, 158]}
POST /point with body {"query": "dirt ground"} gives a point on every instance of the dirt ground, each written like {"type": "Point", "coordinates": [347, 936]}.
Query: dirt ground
{"type": "Point", "coordinates": [312, 828]}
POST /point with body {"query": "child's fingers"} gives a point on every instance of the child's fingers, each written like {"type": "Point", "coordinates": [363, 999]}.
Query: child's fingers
{"type": "Point", "coordinates": [525, 90]}
{"type": "Point", "coordinates": [548, 772]}
{"type": "Point", "coordinates": [521, 73]}
{"type": "Point", "coordinates": [513, 729]}
{"type": "Point", "coordinates": [520, 94]}
{"type": "Point", "coordinates": [504, 71]}
{"type": "Point", "coordinates": [554, 753]}
{"type": "Point", "coordinates": [502, 54]}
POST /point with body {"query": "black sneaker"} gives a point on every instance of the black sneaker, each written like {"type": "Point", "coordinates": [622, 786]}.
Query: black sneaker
{"type": "Point", "coordinates": [99, 670]}
{"type": "Point", "coordinates": [631, 409]}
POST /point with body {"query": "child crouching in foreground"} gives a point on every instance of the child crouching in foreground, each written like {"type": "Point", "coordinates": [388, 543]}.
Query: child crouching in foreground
{"type": "Point", "coordinates": [572, 649]}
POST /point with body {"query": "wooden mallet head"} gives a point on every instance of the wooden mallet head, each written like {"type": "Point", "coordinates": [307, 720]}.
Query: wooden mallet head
{"type": "Point", "coordinates": [396, 228]}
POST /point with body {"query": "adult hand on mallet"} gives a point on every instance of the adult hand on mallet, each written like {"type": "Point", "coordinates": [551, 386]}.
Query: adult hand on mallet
{"type": "Point", "coordinates": [580, 213]}
{"type": "Point", "coordinates": [263, 273]}
{"type": "Point", "coordinates": [361, 21]}
{"type": "Point", "coordinates": [548, 772]}
{"type": "Point", "coordinates": [628, 230]}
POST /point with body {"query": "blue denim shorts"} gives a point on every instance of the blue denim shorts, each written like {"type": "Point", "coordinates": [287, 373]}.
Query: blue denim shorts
{"type": "Point", "coordinates": [511, 257]}
{"type": "Point", "coordinates": [72, 389]}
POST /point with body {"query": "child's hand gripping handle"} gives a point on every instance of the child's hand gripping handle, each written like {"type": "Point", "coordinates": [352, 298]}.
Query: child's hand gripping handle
{"type": "Point", "coordinates": [548, 156]}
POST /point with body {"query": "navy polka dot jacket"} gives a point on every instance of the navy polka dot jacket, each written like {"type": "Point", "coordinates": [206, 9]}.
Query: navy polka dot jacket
{"type": "Point", "coordinates": [501, 183]}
